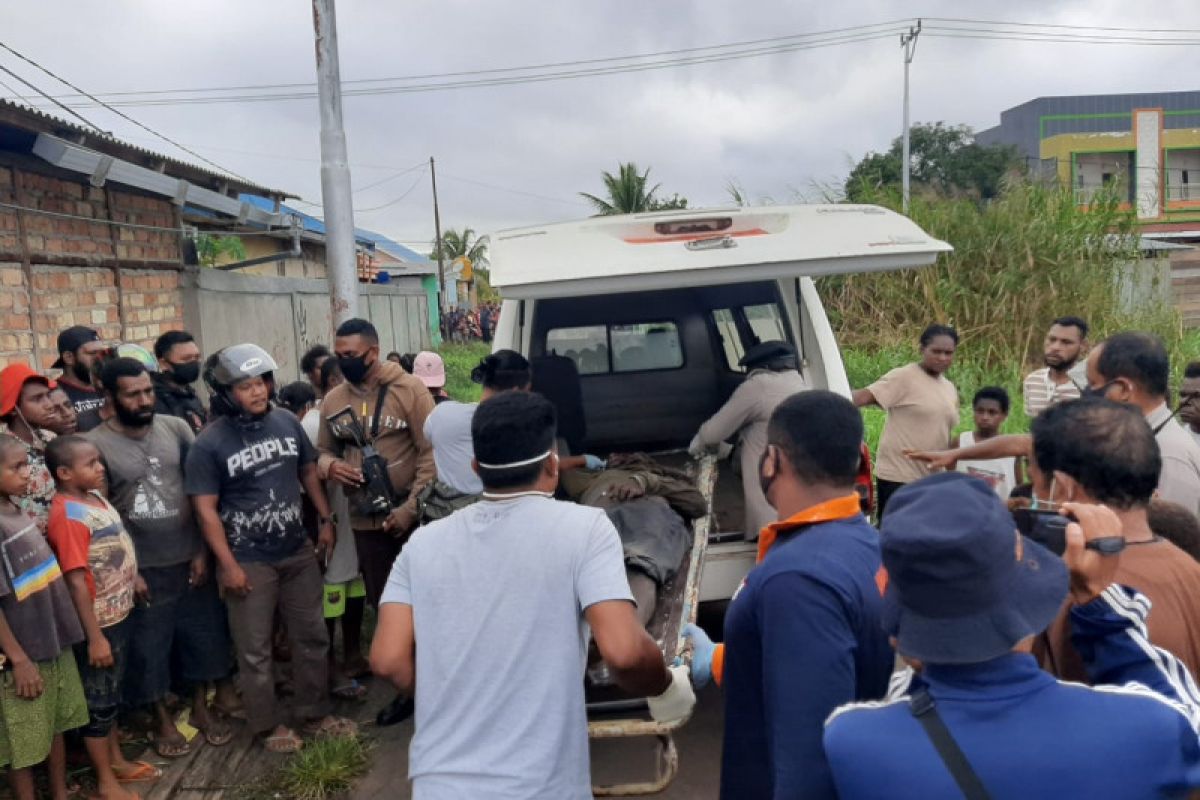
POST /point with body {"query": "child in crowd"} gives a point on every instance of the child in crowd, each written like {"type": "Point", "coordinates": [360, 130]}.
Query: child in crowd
{"type": "Point", "coordinates": [990, 405]}
{"type": "Point", "coordinates": [97, 557]}
{"type": "Point", "coordinates": [38, 626]}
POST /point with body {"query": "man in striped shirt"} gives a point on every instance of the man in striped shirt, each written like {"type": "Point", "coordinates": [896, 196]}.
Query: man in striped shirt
{"type": "Point", "coordinates": [1066, 344]}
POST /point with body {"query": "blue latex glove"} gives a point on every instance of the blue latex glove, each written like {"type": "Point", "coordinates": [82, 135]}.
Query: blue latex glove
{"type": "Point", "coordinates": [594, 463]}
{"type": "Point", "coordinates": [702, 654]}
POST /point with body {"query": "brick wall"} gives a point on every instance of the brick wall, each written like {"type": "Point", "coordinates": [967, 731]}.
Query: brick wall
{"type": "Point", "coordinates": [124, 283]}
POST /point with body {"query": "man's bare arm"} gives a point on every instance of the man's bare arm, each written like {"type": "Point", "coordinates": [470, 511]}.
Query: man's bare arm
{"type": "Point", "coordinates": [1008, 446]}
{"type": "Point", "coordinates": [393, 650]}
{"type": "Point", "coordinates": [635, 660]}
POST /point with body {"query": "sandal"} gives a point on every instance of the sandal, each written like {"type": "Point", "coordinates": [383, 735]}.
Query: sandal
{"type": "Point", "coordinates": [142, 771]}
{"type": "Point", "coordinates": [216, 732]}
{"type": "Point", "coordinates": [284, 743]}
{"type": "Point", "coordinates": [349, 690]}
{"type": "Point", "coordinates": [230, 712]}
{"type": "Point", "coordinates": [331, 726]}
{"type": "Point", "coordinates": [167, 749]}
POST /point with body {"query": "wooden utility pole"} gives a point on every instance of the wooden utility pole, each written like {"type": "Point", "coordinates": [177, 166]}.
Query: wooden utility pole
{"type": "Point", "coordinates": [437, 232]}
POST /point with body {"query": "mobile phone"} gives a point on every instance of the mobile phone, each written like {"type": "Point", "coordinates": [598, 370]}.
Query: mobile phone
{"type": "Point", "coordinates": [1049, 529]}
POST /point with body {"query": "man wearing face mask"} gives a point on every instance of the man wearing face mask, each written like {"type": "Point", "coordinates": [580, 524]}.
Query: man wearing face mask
{"type": "Point", "coordinates": [391, 406]}
{"type": "Point", "coordinates": [178, 368]}
{"type": "Point", "coordinates": [803, 634]}
{"type": "Point", "coordinates": [78, 349]}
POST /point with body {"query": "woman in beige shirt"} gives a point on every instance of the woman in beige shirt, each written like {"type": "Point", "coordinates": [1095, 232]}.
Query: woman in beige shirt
{"type": "Point", "coordinates": [922, 410]}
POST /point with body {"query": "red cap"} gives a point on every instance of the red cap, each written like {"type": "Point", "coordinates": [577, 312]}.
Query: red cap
{"type": "Point", "coordinates": [12, 380]}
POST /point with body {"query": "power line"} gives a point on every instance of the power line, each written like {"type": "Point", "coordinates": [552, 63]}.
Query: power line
{"type": "Point", "coordinates": [64, 107]}
{"type": "Point", "coordinates": [512, 191]}
{"type": "Point", "coordinates": [121, 114]}
{"type": "Point", "coordinates": [407, 192]}
{"type": "Point", "coordinates": [525, 79]}
{"type": "Point", "coordinates": [130, 225]}
{"type": "Point", "coordinates": [422, 166]}
{"type": "Point", "coordinates": [525, 68]}
{"type": "Point", "coordinates": [1066, 27]}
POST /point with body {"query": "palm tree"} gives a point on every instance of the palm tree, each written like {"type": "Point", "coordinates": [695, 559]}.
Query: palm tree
{"type": "Point", "coordinates": [627, 192]}
{"type": "Point", "coordinates": [456, 244]}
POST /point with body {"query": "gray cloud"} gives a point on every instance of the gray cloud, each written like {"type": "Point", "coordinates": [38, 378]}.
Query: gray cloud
{"type": "Point", "coordinates": [776, 124]}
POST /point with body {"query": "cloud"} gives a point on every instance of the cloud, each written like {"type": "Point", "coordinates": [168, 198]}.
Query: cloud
{"type": "Point", "coordinates": [520, 154]}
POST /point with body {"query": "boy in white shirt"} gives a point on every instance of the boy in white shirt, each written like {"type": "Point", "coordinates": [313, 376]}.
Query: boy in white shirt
{"type": "Point", "coordinates": [990, 406]}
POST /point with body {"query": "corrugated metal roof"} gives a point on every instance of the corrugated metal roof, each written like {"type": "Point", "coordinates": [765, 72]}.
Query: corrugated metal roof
{"type": "Point", "coordinates": [37, 121]}
{"type": "Point", "coordinates": [316, 225]}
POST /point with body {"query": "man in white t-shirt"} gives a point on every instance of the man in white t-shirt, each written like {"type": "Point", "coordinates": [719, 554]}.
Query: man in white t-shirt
{"type": "Point", "coordinates": [1064, 373]}
{"type": "Point", "coordinates": [486, 616]}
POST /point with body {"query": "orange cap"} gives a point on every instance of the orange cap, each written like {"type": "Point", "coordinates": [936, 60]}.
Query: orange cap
{"type": "Point", "coordinates": [12, 380]}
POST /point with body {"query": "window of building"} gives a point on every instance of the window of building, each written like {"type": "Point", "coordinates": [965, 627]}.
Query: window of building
{"type": "Point", "coordinates": [1183, 174]}
{"type": "Point", "coordinates": [1104, 172]}
{"type": "Point", "coordinates": [599, 349]}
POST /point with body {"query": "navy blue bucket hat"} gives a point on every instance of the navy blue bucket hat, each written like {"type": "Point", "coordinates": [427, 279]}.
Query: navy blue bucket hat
{"type": "Point", "coordinates": [963, 585]}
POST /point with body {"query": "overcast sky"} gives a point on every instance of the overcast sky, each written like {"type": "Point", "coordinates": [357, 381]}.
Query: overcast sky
{"type": "Point", "coordinates": [778, 125]}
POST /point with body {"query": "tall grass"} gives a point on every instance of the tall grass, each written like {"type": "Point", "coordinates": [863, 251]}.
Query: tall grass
{"type": "Point", "coordinates": [1019, 261]}
{"type": "Point", "coordinates": [460, 359]}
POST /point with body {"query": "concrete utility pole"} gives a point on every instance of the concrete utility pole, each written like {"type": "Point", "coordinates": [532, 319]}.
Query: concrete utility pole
{"type": "Point", "coordinates": [437, 232]}
{"type": "Point", "coordinates": [909, 42]}
{"type": "Point", "coordinates": [340, 258]}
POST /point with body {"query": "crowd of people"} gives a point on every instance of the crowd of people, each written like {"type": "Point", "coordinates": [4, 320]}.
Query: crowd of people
{"type": "Point", "coordinates": [1042, 590]}
{"type": "Point", "coordinates": [471, 324]}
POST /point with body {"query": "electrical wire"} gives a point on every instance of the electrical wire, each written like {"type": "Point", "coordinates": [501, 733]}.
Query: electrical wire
{"type": "Point", "coordinates": [407, 192]}
{"type": "Point", "coordinates": [1053, 25]}
{"type": "Point", "coordinates": [525, 68]}
{"type": "Point", "coordinates": [121, 114]}
{"type": "Point", "coordinates": [511, 191]}
{"type": "Point", "coordinates": [521, 79]}
{"type": "Point", "coordinates": [63, 106]}
{"type": "Point", "coordinates": [130, 225]}
{"type": "Point", "coordinates": [381, 181]}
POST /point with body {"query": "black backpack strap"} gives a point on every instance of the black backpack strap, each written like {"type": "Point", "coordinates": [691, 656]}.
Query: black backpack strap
{"type": "Point", "coordinates": [383, 390]}
{"type": "Point", "coordinates": [922, 707]}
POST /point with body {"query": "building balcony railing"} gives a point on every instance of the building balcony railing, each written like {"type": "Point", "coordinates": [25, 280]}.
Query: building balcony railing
{"type": "Point", "coordinates": [1086, 193]}
{"type": "Point", "coordinates": [1183, 192]}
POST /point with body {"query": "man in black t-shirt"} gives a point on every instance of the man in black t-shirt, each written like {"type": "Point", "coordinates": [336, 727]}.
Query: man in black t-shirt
{"type": "Point", "coordinates": [244, 473]}
{"type": "Point", "coordinates": [78, 349]}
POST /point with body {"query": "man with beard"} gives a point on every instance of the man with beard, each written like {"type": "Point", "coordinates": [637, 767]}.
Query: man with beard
{"type": "Point", "coordinates": [1065, 344]}
{"type": "Point", "coordinates": [179, 367]}
{"type": "Point", "coordinates": [78, 349]}
{"type": "Point", "coordinates": [181, 610]}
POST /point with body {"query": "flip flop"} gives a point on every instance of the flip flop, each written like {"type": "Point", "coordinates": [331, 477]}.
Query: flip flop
{"type": "Point", "coordinates": [237, 712]}
{"type": "Point", "coordinates": [142, 771]}
{"type": "Point", "coordinates": [167, 750]}
{"type": "Point", "coordinates": [217, 733]}
{"type": "Point", "coordinates": [331, 726]}
{"type": "Point", "coordinates": [284, 743]}
{"type": "Point", "coordinates": [350, 690]}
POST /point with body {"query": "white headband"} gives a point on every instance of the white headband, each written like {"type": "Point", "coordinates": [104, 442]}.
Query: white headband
{"type": "Point", "coordinates": [515, 464]}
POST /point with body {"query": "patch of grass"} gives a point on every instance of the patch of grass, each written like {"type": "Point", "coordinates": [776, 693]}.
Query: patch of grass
{"type": "Point", "coordinates": [326, 768]}
{"type": "Point", "coordinates": [460, 359]}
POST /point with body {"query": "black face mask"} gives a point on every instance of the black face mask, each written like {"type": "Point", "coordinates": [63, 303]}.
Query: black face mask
{"type": "Point", "coordinates": [354, 368]}
{"type": "Point", "coordinates": [183, 374]}
{"type": "Point", "coordinates": [1099, 392]}
{"type": "Point", "coordinates": [81, 373]}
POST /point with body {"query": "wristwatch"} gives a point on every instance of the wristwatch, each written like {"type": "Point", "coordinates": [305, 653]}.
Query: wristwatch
{"type": "Point", "coordinates": [330, 520]}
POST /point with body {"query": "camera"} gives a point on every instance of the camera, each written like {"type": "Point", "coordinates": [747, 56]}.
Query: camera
{"type": "Point", "coordinates": [375, 496]}
{"type": "Point", "coordinates": [1049, 529]}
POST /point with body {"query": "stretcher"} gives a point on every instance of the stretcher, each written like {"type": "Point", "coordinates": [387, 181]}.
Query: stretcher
{"type": "Point", "coordinates": [614, 714]}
